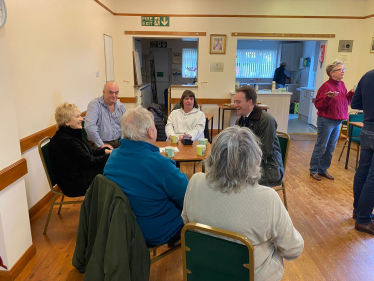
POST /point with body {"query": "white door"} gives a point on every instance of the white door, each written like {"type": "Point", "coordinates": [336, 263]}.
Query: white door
{"type": "Point", "coordinates": [162, 71]}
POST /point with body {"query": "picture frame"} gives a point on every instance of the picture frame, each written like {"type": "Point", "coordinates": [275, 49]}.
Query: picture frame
{"type": "Point", "coordinates": [217, 43]}
{"type": "Point", "coordinates": [177, 58]}
{"type": "Point", "coordinates": [372, 45]}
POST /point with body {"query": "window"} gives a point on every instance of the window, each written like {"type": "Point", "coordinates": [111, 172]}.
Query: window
{"type": "Point", "coordinates": [255, 63]}
{"type": "Point", "coordinates": [189, 63]}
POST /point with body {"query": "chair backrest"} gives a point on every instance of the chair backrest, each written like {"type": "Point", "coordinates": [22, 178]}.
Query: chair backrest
{"type": "Point", "coordinates": [209, 258]}
{"type": "Point", "coordinates": [206, 131]}
{"type": "Point", "coordinates": [44, 155]}
{"type": "Point", "coordinates": [177, 106]}
{"type": "Point", "coordinates": [355, 118]}
{"type": "Point", "coordinates": [84, 134]}
{"type": "Point", "coordinates": [284, 142]}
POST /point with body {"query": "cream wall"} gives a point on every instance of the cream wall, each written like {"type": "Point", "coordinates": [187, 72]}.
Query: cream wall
{"type": "Point", "coordinates": [55, 51]}
{"type": "Point", "coordinates": [15, 234]}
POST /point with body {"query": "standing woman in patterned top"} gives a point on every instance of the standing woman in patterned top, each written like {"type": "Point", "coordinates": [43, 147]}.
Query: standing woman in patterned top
{"type": "Point", "coordinates": [332, 102]}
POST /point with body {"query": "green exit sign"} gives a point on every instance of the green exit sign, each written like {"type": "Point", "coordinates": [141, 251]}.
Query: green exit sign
{"type": "Point", "coordinates": [160, 74]}
{"type": "Point", "coordinates": [155, 21]}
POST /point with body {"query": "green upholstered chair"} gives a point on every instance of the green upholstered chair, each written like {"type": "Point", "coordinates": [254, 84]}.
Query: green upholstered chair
{"type": "Point", "coordinates": [212, 258]}
{"type": "Point", "coordinates": [44, 155]}
{"type": "Point", "coordinates": [284, 141]}
{"type": "Point", "coordinates": [357, 117]}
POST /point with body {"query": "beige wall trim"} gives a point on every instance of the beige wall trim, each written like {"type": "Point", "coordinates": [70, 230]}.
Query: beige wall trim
{"type": "Point", "coordinates": [203, 101]}
{"type": "Point", "coordinates": [170, 33]}
{"type": "Point", "coordinates": [41, 203]}
{"type": "Point", "coordinates": [30, 141]}
{"type": "Point", "coordinates": [127, 99]}
{"type": "Point", "coordinates": [231, 16]}
{"type": "Point", "coordinates": [22, 262]}
{"type": "Point", "coordinates": [241, 34]}
{"type": "Point", "coordinates": [238, 16]}
{"type": "Point", "coordinates": [105, 7]}
{"type": "Point", "coordinates": [12, 173]}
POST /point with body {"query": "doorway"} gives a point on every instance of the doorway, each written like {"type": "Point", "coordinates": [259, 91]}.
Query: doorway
{"type": "Point", "coordinates": [162, 59]}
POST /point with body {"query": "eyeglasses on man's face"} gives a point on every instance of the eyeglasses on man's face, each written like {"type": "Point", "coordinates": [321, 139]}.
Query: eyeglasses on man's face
{"type": "Point", "coordinates": [339, 69]}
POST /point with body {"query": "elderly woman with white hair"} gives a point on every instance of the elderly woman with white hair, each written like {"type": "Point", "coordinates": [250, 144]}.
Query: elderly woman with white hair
{"type": "Point", "coordinates": [332, 102]}
{"type": "Point", "coordinates": [74, 164]}
{"type": "Point", "coordinates": [229, 197]}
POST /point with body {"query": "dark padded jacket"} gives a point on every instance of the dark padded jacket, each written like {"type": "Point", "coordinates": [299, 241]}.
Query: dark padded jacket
{"type": "Point", "coordinates": [279, 76]}
{"type": "Point", "coordinates": [159, 121]}
{"type": "Point", "coordinates": [73, 163]}
{"type": "Point", "coordinates": [264, 126]}
{"type": "Point", "coordinates": [110, 245]}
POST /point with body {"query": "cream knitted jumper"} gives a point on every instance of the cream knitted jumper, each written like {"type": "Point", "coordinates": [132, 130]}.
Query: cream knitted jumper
{"type": "Point", "coordinates": [256, 212]}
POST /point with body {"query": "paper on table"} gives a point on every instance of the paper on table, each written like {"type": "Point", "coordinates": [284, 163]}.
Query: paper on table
{"type": "Point", "coordinates": [162, 149]}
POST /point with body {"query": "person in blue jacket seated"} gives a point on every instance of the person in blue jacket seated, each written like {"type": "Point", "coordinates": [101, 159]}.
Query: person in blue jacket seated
{"type": "Point", "coordinates": [74, 164]}
{"type": "Point", "coordinates": [153, 184]}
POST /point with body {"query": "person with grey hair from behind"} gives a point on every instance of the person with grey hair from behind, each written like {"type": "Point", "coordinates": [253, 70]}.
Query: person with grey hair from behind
{"type": "Point", "coordinates": [229, 197]}
{"type": "Point", "coordinates": [153, 184]}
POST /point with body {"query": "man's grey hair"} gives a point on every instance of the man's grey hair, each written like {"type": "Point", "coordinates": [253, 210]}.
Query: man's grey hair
{"type": "Point", "coordinates": [331, 66]}
{"type": "Point", "coordinates": [135, 124]}
{"type": "Point", "coordinates": [234, 160]}
{"type": "Point", "coordinates": [283, 63]}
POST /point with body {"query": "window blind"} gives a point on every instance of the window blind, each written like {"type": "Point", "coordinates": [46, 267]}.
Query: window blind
{"type": "Point", "coordinates": [189, 63]}
{"type": "Point", "coordinates": [255, 63]}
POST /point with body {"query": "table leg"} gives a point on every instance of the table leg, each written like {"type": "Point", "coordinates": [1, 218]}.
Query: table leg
{"type": "Point", "coordinates": [203, 167]}
{"type": "Point", "coordinates": [211, 131]}
{"type": "Point", "coordinates": [223, 117]}
{"type": "Point", "coordinates": [349, 144]}
{"type": "Point", "coordinates": [219, 117]}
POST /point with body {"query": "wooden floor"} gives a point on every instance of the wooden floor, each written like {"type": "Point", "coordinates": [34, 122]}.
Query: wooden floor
{"type": "Point", "coordinates": [321, 211]}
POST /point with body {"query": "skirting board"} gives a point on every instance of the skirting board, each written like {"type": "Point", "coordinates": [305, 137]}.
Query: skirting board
{"type": "Point", "coordinates": [11, 275]}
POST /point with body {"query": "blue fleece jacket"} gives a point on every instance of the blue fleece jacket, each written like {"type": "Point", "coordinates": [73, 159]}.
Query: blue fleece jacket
{"type": "Point", "coordinates": [364, 99]}
{"type": "Point", "coordinates": [154, 186]}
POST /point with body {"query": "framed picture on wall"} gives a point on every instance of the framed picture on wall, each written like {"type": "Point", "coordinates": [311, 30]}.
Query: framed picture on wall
{"type": "Point", "coordinates": [217, 44]}
{"type": "Point", "coordinates": [372, 45]}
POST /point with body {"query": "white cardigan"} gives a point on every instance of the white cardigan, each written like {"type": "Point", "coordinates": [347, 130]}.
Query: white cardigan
{"type": "Point", "coordinates": [255, 212]}
{"type": "Point", "coordinates": [192, 123]}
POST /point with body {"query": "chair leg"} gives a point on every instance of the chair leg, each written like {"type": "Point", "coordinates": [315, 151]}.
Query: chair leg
{"type": "Point", "coordinates": [59, 208]}
{"type": "Point", "coordinates": [284, 196]}
{"type": "Point", "coordinates": [49, 214]}
{"type": "Point", "coordinates": [341, 153]}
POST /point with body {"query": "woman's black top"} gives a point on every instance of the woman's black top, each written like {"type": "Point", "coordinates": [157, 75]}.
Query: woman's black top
{"type": "Point", "coordinates": [73, 163]}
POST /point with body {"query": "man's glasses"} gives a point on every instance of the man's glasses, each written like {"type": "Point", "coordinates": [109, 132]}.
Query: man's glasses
{"type": "Point", "coordinates": [340, 69]}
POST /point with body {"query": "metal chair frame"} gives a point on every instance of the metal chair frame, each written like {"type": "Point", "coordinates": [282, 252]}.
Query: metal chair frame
{"type": "Point", "coordinates": [53, 186]}
{"type": "Point", "coordinates": [346, 142]}
{"type": "Point", "coordinates": [217, 232]}
{"type": "Point", "coordinates": [283, 186]}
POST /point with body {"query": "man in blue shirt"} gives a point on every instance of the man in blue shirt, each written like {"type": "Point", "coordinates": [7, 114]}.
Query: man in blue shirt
{"type": "Point", "coordinates": [102, 123]}
{"type": "Point", "coordinates": [363, 185]}
{"type": "Point", "coordinates": [153, 184]}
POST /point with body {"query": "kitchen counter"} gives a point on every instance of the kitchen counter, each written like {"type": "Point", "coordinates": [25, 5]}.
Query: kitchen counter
{"type": "Point", "coordinates": [262, 92]}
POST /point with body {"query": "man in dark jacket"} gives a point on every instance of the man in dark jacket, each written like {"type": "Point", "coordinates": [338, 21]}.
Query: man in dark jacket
{"type": "Point", "coordinates": [280, 75]}
{"type": "Point", "coordinates": [363, 185]}
{"type": "Point", "coordinates": [263, 126]}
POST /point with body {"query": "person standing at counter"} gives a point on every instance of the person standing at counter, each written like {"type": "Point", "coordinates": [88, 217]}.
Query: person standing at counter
{"type": "Point", "coordinates": [332, 102]}
{"type": "Point", "coordinates": [363, 184]}
{"type": "Point", "coordinates": [280, 75]}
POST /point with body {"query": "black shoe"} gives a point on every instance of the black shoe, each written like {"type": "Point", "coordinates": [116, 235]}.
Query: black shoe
{"type": "Point", "coordinates": [326, 175]}
{"type": "Point", "coordinates": [316, 176]}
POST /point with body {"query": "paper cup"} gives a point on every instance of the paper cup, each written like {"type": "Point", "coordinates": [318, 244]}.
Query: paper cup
{"type": "Point", "coordinates": [169, 152]}
{"type": "Point", "coordinates": [203, 141]}
{"type": "Point", "coordinates": [200, 149]}
{"type": "Point", "coordinates": [174, 138]}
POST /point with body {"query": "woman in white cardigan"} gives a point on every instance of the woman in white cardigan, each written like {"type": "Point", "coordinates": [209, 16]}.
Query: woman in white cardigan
{"type": "Point", "coordinates": [229, 197]}
{"type": "Point", "coordinates": [188, 120]}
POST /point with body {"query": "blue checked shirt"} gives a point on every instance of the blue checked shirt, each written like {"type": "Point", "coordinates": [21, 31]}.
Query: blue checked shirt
{"type": "Point", "coordinates": [100, 124]}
